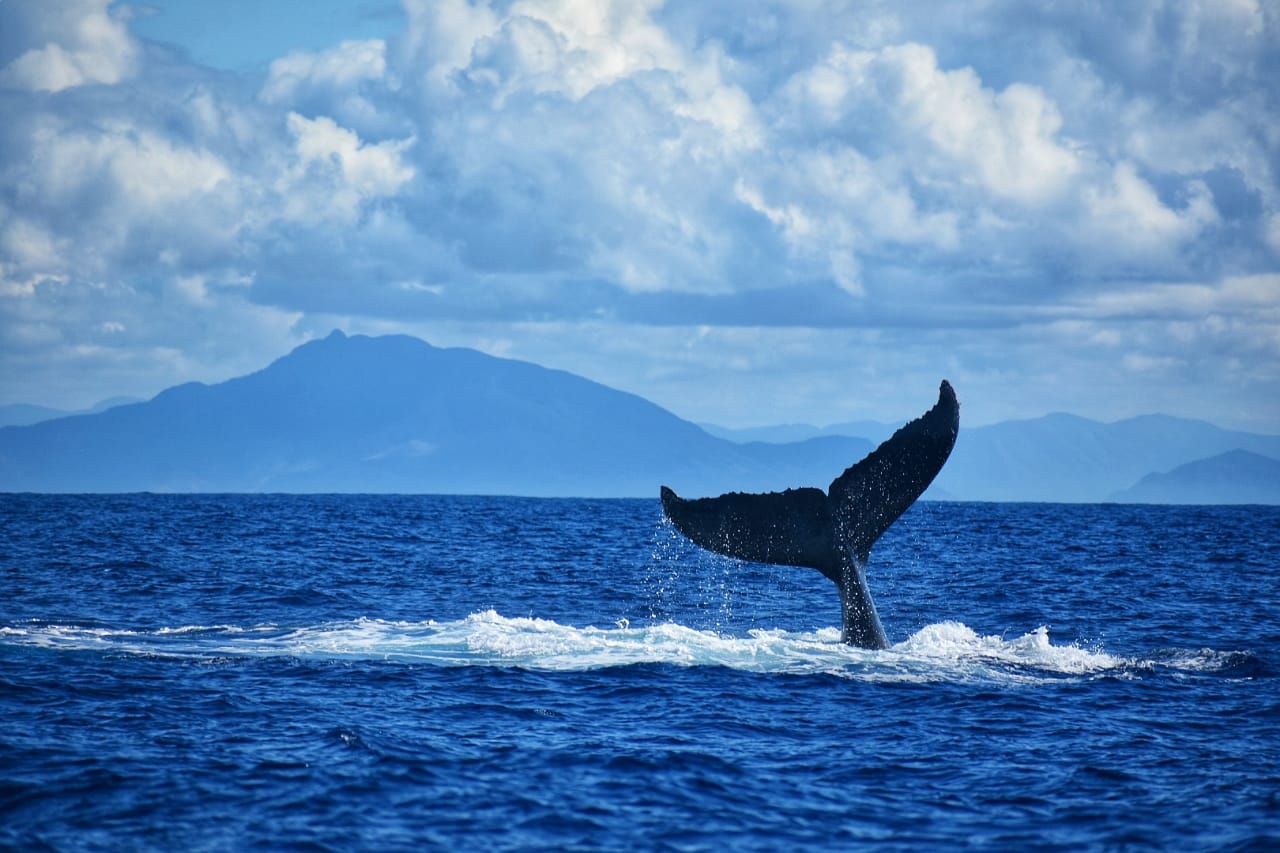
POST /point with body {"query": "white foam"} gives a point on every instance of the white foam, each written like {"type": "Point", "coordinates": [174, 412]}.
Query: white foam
{"type": "Point", "coordinates": [947, 651]}
{"type": "Point", "coordinates": [954, 641]}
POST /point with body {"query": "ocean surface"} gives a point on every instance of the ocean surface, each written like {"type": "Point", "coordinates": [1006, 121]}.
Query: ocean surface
{"type": "Point", "coordinates": [409, 673]}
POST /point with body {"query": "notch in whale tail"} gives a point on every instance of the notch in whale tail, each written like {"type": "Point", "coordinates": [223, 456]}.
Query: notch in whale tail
{"type": "Point", "coordinates": [830, 531]}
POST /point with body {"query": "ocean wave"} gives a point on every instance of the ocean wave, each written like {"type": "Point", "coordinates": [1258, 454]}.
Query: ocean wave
{"type": "Point", "coordinates": [946, 651]}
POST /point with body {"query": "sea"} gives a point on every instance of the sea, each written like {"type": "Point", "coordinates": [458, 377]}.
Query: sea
{"type": "Point", "coordinates": [337, 672]}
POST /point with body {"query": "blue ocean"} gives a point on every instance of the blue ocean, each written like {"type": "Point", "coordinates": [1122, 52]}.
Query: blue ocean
{"type": "Point", "coordinates": [414, 672]}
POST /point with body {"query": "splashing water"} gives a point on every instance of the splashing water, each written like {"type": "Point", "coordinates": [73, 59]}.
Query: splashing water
{"type": "Point", "coordinates": [947, 651]}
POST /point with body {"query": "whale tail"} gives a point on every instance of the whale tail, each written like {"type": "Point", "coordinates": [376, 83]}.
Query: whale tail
{"type": "Point", "coordinates": [830, 531]}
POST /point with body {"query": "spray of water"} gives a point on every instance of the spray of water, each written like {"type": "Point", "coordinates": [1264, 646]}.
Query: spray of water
{"type": "Point", "coordinates": [947, 651]}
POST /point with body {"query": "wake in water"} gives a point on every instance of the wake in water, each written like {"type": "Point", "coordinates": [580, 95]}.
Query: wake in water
{"type": "Point", "coordinates": [948, 651]}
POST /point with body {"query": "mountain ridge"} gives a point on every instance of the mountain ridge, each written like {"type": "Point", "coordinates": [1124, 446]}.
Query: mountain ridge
{"type": "Point", "coordinates": [1233, 477]}
{"type": "Point", "coordinates": [394, 413]}
{"type": "Point", "coordinates": [1069, 458]}
{"type": "Point", "coordinates": [26, 414]}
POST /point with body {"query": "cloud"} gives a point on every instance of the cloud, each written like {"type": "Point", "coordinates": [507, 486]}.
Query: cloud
{"type": "Point", "coordinates": [951, 187]}
{"type": "Point", "coordinates": [73, 43]}
{"type": "Point", "coordinates": [1237, 295]}
{"type": "Point", "coordinates": [342, 83]}
{"type": "Point", "coordinates": [344, 67]}
{"type": "Point", "coordinates": [1128, 205]}
{"type": "Point", "coordinates": [90, 200]}
{"type": "Point", "coordinates": [335, 174]}
{"type": "Point", "coordinates": [1005, 142]}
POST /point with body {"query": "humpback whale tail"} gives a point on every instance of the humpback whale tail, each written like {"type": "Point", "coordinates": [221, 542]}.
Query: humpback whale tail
{"type": "Point", "coordinates": [830, 531]}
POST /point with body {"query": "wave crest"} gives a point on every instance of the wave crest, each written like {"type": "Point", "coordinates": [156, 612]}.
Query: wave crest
{"type": "Point", "coordinates": [946, 651]}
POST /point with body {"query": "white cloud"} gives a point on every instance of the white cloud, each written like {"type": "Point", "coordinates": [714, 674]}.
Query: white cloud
{"type": "Point", "coordinates": [336, 173]}
{"type": "Point", "coordinates": [192, 288]}
{"type": "Point", "coordinates": [1148, 365]}
{"type": "Point", "coordinates": [584, 143]}
{"type": "Point", "coordinates": [345, 66]}
{"type": "Point", "coordinates": [953, 126]}
{"type": "Point", "coordinates": [347, 82]}
{"type": "Point", "coordinates": [1005, 140]}
{"type": "Point", "coordinates": [441, 36]}
{"type": "Point", "coordinates": [99, 194]}
{"type": "Point", "coordinates": [574, 46]}
{"type": "Point", "coordinates": [1256, 296]}
{"type": "Point", "coordinates": [79, 43]}
{"type": "Point", "coordinates": [27, 245]}
{"type": "Point", "coordinates": [141, 166]}
{"type": "Point", "coordinates": [1128, 208]}
{"type": "Point", "coordinates": [834, 204]}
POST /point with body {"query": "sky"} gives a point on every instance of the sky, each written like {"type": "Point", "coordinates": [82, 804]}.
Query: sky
{"type": "Point", "coordinates": [750, 214]}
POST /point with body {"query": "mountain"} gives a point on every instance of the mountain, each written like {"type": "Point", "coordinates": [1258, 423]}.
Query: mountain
{"type": "Point", "coordinates": [1058, 457]}
{"type": "Point", "coordinates": [24, 414]}
{"type": "Point", "coordinates": [873, 431]}
{"type": "Point", "coordinates": [1236, 476]}
{"type": "Point", "coordinates": [395, 414]}
{"type": "Point", "coordinates": [1067, 458]}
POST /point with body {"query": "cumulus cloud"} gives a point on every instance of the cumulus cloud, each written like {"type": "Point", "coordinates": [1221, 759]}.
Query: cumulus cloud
{"type": "Point", "coordinates": [89, 200]}
{"type": "Point", "coordinates": [343, 67]}
{"type": "Point", "coordinates": [1005, 142]}
{"type": "Point", "coordinates": [779, 175]}
{"type": "Point", "coordinates": [71, 43]}
{"type": "Point", "coordinates": [342, 82]}
{"type": "Point", "coordinates": [1127, 205]}
{"type": "Point", "coordinates": [335, 174]}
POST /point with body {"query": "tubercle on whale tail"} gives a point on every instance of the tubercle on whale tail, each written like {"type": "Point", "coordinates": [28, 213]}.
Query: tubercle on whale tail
{"type": "Point", "coordinates": [830, 531]}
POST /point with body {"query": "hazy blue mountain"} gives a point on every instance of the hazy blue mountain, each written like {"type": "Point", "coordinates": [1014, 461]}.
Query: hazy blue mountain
{"type": "Point", "coordinates": [397, 414]}
{"type": "Point", "coordinates": [1236, 476]}
{"type": "Point", "coordinates": [1067, 458]}
{"type": "Point", "coordinates": [109, 403]}
{"type": "Point", "coordinates": [776, 434]}
{"type": "Point", "coordinates": [873, 431]}
{"type": "Point", "coordinates": [24, 414]}
{"type": "Point", "coordinates": [1058, 457]}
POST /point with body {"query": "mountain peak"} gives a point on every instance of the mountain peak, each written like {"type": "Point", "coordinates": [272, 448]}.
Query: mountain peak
{"type": "Point", "coordinates": [1236, 476]}
{"type": "Point", "coordinates": [393, 413]}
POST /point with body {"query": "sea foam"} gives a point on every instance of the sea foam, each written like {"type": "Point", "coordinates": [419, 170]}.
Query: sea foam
{"type": "Point", "coordinates": [946, 651]}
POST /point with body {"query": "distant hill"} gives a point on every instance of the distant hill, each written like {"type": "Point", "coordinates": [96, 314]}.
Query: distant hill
{"type": "Point", "coordinates": [24, 414]}
{"type": "Point", "coordinates": [1067, 458]}
{"type": "Point", "coordinates": [1236, 476]}
{"type": "Point", "coordinates": [1058, 457]}
{"type": "Point", "coordinates": [873, 431]}
{"type": "Point", "coordinates": [395, 414]}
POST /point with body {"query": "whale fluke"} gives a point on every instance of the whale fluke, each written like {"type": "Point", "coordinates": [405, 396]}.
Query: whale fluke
{"type": "Point", "coordinates": [833, 531]}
